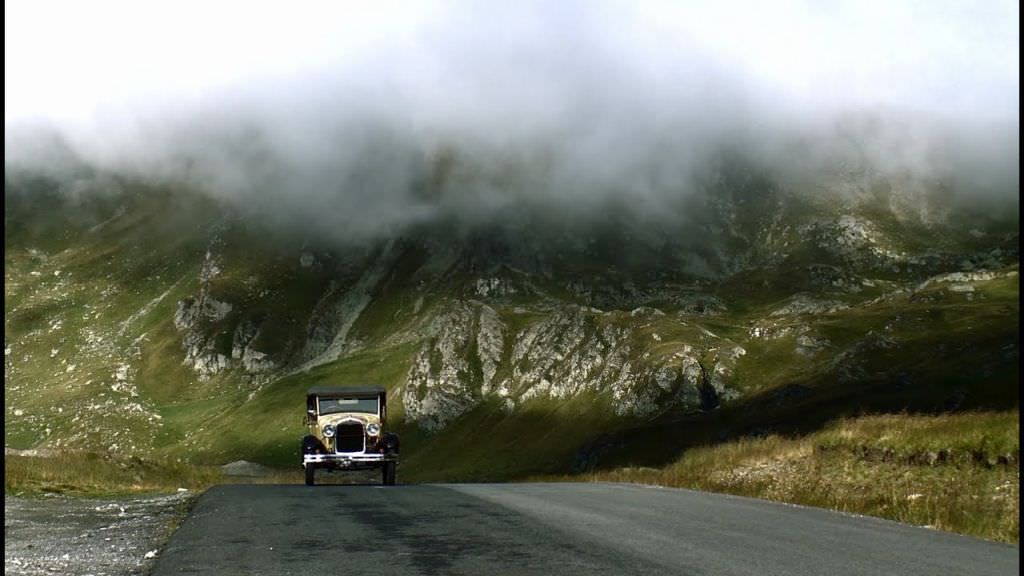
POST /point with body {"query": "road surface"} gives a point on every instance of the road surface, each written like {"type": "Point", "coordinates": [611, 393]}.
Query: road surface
{"type": "Point", "coordinates": [550, 529]}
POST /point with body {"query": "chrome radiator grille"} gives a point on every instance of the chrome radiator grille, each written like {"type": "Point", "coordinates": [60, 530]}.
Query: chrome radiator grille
{"type": "Point", "coordinates": [349, 438]}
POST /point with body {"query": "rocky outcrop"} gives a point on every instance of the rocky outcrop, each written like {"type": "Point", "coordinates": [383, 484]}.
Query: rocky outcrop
{"type": "Point", "coordinates": [490, 345]}
{"type": "Point", "coordinates": [965, 278]}
{"type": "Point", "coordinates": [557, 356]}
{"type": "Point", "coordinates": [201, 356]}
{"type": "Point", "coordinates": [198, 317]}
{"type": "Point", "coordinates": [252, 361]}
{"type": "Point", "coordinates": [192, 317]}
{"type": "Point", "coordinates": [194, 310]}
{"type": "Point", "coordinates": [494, 287]}
{"type": "Point", "coordinates": [444, 380]}
{"type": "Point", "coordinates": [857, 242]}
{"type": "Point", "coordinates": [804, 304]}
{"type": "Point", "coordinates": [571, 351]}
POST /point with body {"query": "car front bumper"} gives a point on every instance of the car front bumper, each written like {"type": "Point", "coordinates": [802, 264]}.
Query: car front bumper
{"type": "Point", "coordinates": [347, 460]}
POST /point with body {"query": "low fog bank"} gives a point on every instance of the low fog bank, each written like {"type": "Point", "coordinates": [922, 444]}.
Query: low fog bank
{"type": "Point", "coordinates": [372, 179]}
{"type": "Point", "coordinates": [457, 113]}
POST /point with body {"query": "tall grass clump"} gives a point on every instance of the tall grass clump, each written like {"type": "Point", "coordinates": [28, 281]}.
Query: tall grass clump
{"type": "Point", "coordinates": [95, 474]}
{"type": "Point", "coordinates": [953, 472]}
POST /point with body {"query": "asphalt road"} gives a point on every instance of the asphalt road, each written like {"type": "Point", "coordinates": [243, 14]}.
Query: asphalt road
{"type": "Point", "coordinates": [549, 529]}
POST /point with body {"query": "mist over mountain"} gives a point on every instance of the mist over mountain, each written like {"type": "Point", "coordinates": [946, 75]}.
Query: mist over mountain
{"type": "Point", "coordinates": [363, 122]}
{"type": "Point", "coordinates": [530, 220]}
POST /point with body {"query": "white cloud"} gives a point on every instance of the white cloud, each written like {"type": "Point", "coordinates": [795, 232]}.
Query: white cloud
{"type": "Point", "coordinates": [323, 99]}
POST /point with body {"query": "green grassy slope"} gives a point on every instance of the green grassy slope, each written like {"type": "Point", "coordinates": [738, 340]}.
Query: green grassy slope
{"type": "Point", "coordinates": [810, 312]}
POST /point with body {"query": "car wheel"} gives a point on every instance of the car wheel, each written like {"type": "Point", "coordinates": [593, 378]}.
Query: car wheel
{"type": "Point", "coordinates": [391, 443]}
{"type": "Point", "coordinates": [390, 473]}
{"type": "Point", "coordinates": [310, 445]}
{"type": "Point", "coordinates": [310, 475]}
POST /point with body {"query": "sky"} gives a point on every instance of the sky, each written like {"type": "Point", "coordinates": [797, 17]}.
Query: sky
{"type": "Point", "coordinates": [344, 108]}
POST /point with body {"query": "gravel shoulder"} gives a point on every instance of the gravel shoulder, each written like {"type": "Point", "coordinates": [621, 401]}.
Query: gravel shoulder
{"type": "Point", "coordinates": [87, 536]}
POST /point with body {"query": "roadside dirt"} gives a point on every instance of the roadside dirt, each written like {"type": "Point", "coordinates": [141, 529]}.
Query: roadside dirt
{"type": "Point", "coordinates": [111, 537]}
{"type": "Point", "coordinates": [86, 536]}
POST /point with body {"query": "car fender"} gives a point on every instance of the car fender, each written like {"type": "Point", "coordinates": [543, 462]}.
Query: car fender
{"type": "Point", "coordinates": [312, 445]}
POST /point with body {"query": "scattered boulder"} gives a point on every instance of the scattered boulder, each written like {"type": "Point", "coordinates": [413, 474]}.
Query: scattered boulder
{"type": "Point", "coordinates": [245, 468]}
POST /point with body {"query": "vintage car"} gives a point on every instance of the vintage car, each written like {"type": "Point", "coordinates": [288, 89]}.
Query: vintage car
{"type": "Point", "coordinates": [347, 432]}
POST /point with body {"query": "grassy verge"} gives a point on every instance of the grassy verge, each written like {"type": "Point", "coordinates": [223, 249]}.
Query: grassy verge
{"type": "Point", "coordinates": [958, 473]}
{"type": "Point", "coordinates": [93, 474]}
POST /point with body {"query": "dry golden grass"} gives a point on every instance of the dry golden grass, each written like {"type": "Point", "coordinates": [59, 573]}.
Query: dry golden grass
{"type": "Point", "coordinates": [92, 474]}
{"type": "Point", "coordinates": [957, 473]}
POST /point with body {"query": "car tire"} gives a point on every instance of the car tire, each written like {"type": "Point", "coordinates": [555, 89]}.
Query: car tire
{"type": "Point", "coordinates": [311, 445]}
{"type": "Point", "coordinates": [390, 473]}
{"type": "Point", "coordinates": [310, 475]}
{"type": "Point", "coordinates": [391, 443]}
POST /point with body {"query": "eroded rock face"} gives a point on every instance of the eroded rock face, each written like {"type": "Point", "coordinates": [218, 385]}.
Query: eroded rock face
{"type": "Point", "coordinates": [196, 315]}
{"type": "Point", "coordinates": [204, 307]}
{"type": "Point", "coordinates": [569, 352]}
{"type": "Point", "coordinates": [964, 278]}
{"type": "Point", "coordinates": [201, 356]}
{"type": "Point", "coordinates": [490, 344]}
{"type": "Point", "coordinates": [495, 286]}
{"type": "Point", "coordinates": [558, 355]}
{"type": "Point", "coordinates": [245, 333]}
{"type": "Point", "coordinates": [804, 304]}
{"type": "Point", "coordinates": [252, 361]}
{"type": "Point", "coordinates": [442, 384]}
{"type": "Point", "coordinates": [191, 317]}
{"type": "Point", "coordinates": [722, 371]}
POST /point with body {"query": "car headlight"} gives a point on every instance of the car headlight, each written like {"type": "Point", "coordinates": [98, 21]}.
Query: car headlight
{"type": "Point", "coordinates": [373, 429]}
{"type": "Point", "coordinates": [329, 431]}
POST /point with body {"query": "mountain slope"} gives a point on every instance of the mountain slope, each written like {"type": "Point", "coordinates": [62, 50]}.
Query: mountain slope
{"type": "Point", "coordinates": [143, 319]}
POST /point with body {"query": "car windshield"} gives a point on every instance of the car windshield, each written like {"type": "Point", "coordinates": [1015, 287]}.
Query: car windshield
{"type": "Point", "coordinates": [335, 405]}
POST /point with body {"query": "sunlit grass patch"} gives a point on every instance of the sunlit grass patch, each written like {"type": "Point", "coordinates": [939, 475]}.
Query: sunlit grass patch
{"type": "Point", "coordinates": [953, 472]}
{"type": "Point", "coordinates": [95, 474]}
